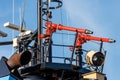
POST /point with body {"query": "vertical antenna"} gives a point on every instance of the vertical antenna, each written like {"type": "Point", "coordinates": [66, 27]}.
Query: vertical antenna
{"type": "Point", "coordinates": [39, 53]}
{"type": "Point", "coordinates": [67, 23]}
{"type": "Point", "coordinates": [13, 17]}
{"type": "Point", "coordinates": [49, 42]}
{"type": "Point", "coordinates": [22, 16]}
{"type": "Point", "coordinates": [61, 20]}
{"type": "Point", "coordinates": [13, 11]}
{"type": "Point", "coordinates": [20, 10]}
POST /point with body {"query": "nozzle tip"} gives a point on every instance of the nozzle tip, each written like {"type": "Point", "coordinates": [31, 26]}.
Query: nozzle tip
{"type": "Point", "coordinates": [89, 32]}
{"type": "Point", "coordinates": [112, 41]}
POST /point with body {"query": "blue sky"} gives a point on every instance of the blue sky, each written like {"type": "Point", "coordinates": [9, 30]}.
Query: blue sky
{"type": "Point", "coordinates": [100, 16]}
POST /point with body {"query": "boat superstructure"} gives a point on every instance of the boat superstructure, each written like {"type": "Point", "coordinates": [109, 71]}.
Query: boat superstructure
{"type": "Point", "coordinates": [33, 59]}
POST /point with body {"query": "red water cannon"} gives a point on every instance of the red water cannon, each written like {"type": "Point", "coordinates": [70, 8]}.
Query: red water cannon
{"type": "Point", "coordinates": [82, 38]}
{"type": "Point", "coordinates": [52, 27]}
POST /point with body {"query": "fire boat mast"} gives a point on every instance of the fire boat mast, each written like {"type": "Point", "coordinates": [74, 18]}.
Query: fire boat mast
{"type": "Point", "coordinates": [40, 31]}
{"type": "Point", "coordinates": [33, 61]}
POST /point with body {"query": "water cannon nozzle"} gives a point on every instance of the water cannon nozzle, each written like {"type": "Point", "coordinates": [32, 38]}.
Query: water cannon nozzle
{"type": "Point", "coordinates": [112, 41]}
{"type": "Point", "coordinates": [89, 31]}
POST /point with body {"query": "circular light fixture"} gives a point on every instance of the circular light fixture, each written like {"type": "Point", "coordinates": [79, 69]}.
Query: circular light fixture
{"type": "Point", "coordinates": [95, 58]}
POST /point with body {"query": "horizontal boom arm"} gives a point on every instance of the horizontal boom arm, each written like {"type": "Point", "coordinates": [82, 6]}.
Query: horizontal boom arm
{"type": "Point", "coordinates": [61, 27]}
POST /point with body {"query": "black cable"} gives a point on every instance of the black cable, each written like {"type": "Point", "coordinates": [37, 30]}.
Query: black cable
{"type": "Point", "coordinates": [6, 43]}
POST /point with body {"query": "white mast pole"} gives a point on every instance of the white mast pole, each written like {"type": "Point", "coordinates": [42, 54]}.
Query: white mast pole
{"type": "Point", "coordinates": [13, 17]}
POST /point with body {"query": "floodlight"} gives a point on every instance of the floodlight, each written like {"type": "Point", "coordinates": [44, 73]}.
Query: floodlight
{"type": "Point", "coordinates": [95, 58]}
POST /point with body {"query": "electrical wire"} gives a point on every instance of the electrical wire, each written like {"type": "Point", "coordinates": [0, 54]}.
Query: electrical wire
{"type": "Point", "coordinates": [61, 21]}
{"type": "Point", "coordinates": [98, 43]}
